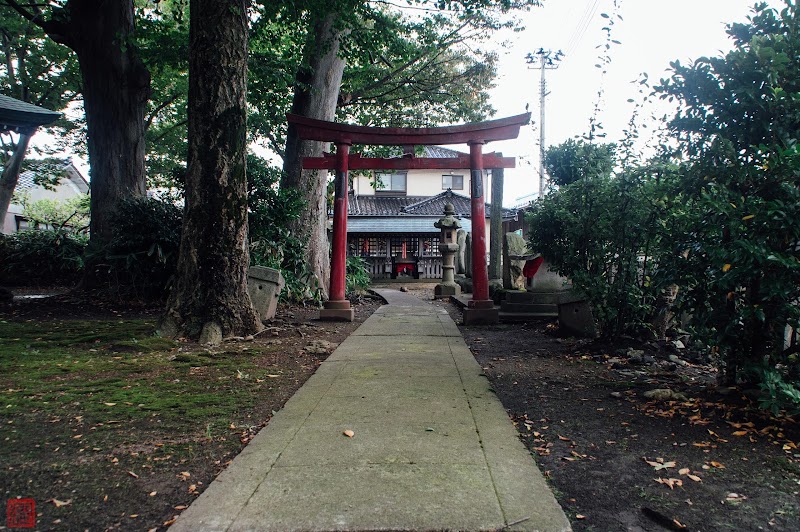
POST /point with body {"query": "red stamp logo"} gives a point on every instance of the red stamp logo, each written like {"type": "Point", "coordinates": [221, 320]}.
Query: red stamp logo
{"type": "Point", "coordinates": [21, 513]}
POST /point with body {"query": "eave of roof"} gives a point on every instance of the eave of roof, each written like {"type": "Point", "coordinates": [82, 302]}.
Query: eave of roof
{"type": "Point", "coordinates": [22, 116]}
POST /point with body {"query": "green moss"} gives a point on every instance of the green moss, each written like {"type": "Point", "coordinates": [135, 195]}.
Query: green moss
{"type": "Point", "coordinates": [117, 370]}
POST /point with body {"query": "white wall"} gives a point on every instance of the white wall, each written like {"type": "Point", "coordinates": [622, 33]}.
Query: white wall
{"type": "Point", "coordinates": [423, 183]}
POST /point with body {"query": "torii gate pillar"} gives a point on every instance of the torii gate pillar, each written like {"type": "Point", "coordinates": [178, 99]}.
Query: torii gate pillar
{"type": "Point", "coordinates": [480, 309]}
{"type": "Point", "coordinates": [338, 307]}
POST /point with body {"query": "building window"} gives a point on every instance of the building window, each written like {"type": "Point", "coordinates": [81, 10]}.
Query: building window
{"type": "Point", "coordinates": [430, 247]}
{"type": "Point", "coordinates": [391, 183]}
{"type": "Point", "coordinates": [453, 182]}
{"type": "Point", "coordinates": [367, 247]}
{"type": "Point", "coordinates": [404, 247]}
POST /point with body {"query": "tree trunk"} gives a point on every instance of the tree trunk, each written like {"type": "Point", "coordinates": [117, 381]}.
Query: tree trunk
{"type": "Point", "coordinates": [315, 96]}
{"type": "Point", "coordinates": [10, 176]}
{"type": "Point", "coordinates": [116, 86]}
{"type": "Point", "coordinates": [210, 297]}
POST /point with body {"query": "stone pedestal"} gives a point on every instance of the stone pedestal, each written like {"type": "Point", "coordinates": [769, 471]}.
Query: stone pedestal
{"type": "Point", "coordinates": [264, 286]}
{"type": "Point", "coordinates": [481, 313]}
{"type": "Point", "coordinates": [337, 311]}
{"type": "Point", "coordinates": [448, 286]}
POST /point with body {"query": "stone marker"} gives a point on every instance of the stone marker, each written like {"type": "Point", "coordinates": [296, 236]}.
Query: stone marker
{"type": "Point", "coordinates": [264, 286]}
{"type": "Point", "coordinates": [513, 245]}
{"type": "Point", "coordinates": [461, 259]}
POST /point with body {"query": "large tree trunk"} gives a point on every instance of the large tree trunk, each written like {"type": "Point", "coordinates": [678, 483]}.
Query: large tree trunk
{"type": "Point", "coordinates": [315, 96]}
{"type": "Point", "coordinates": [210, 297]}
{"type": "Point", "coordinates": [116, 86]}
{"type": "Point", "coordinates": [10, 176]}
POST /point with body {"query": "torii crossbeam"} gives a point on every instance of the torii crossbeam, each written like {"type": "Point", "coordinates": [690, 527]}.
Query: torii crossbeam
{"type": "Point", "coordinates": [480, 308]}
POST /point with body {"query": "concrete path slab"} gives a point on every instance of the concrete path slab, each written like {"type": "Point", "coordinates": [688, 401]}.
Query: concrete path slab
{"type": "Point", "coordinates": [433, 448]}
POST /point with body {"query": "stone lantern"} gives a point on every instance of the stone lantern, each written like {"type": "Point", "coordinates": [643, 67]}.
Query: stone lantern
{"type": "Point", "coordinates": [448, 246]}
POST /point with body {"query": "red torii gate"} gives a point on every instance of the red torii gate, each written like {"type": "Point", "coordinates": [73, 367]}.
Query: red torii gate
{"type": "Point", "coordinates": [480, 308]}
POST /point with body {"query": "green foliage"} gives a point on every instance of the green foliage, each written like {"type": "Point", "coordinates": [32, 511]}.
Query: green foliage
{"type": "Point", "coordinates": [271, 243]}
{"type": "Point", "coordinates": [600, 232]}
{"type": "Point", "coordinates": [37, 70]}
{"type": "Point", "coordinates": [717, 215]}
{"type": "Point", "coordinates": [67, 214]}
{"type": "Point", "coordinates": [739, 127]}
{"type": "Point", "coordinates": [42, 258]}
{"type": "Point", "coordinates": [356, 275]}
{"type": "Point", "coordinates": [572, 160]}
{"type": "Point", "coordinates": [142, 256]}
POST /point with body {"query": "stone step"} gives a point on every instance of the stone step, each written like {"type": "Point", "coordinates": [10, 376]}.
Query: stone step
{"type": "Point", "coordinates": [529, 307]}
{"type": "Point", "coordinates": [521, 317]}
{"type": "Point", "coordinates": [532, 297]}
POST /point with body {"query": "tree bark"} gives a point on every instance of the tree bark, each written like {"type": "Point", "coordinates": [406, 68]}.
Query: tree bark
{"type": "Point", "coordinates": [210, 297]}
{"type": "Point", "coordinates": [10, 176]}
{"type": "Point", "coordinates": [315, 96]}
{"type": "Point", "coordinates": [116, 86]}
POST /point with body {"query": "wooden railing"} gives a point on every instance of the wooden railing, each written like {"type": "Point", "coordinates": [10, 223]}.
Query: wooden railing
{"type": "Point", "coordinates": [381, 267]}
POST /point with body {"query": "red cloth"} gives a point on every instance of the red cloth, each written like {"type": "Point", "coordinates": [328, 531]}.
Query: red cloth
{"type": "Point", "coordinates": [532, 266]}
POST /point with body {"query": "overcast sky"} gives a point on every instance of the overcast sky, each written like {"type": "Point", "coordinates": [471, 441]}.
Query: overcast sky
{"type": "Point", "coordinates": [652, 34]}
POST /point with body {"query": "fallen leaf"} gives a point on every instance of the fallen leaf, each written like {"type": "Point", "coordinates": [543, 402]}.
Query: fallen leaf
{"type": "Point", "coordinates": [110, 404]}
{"type": "Point", "coordinates": [725, 268]}
{"type": "Point", "coordinates": [134, 516]}
{"type": "Point", "coordinates": [660, 465]}
{"type": "Point", "coordinates": [679, 524]}
{"type": "Point", "coordinates": [170, 522]}
{"type": "Point", "coordinates": [563, 438]}
{"type": "Point", "coordinates": [349, 433]}
{"type": "Point", "coordinates": [134, 475]}
{"type": "Point", "coordinates": [192, 488]}
{"type": "Point", "coordinates": [580, 516]}
{"type": "Point", "coordinates": [153, 493]}
{"type": "Point", "coordinates": [684, 471]}
{"type": "Point", "coordinates": [671, 482]}
{"type": "Point", "coordinates": [695, 478]}
{"type": "Point", "coordinates": [273, 376]}
{"type": "Point", "coordinates": [59, 504]}
{"type": "Point", "coordinates": [740, 433]}
{"type": "Point", "coordinates": [181, 507]}
{"type": "Point", "coordinates": [717, 465]}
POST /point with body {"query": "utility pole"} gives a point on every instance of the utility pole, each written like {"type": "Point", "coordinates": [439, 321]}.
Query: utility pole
{"type": "Point", "coordinates": [547, 61]}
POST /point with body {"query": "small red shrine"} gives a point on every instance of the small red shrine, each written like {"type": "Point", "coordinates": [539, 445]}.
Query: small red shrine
{"type": "Point", "coordinates": [481, 308]}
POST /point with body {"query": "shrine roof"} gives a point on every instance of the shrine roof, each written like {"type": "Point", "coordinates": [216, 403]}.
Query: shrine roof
{"type": "Point", "coordinates": [18, 115]}
{"type": "Point", "coordinates": [429, 206]}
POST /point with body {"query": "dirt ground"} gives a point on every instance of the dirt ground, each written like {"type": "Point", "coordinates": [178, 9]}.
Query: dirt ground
{"type": "Point", "coordinates": [699, 458]}
{"type": "Point", "coordinates": [108, 428]}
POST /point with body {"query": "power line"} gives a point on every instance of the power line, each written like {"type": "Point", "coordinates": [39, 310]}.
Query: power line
{"type": "Point", "coordinates": [582, 26]}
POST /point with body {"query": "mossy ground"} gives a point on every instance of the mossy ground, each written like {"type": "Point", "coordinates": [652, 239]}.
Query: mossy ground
{"type": "Point", "coordinates": [107, 426]}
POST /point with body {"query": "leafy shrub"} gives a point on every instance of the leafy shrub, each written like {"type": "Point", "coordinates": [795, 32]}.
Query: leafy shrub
{"type": "Point", "coordinates": [356, 275]}
{"type": "Point", "coordinates": [142, 256]}
{"type": "Point", "coordinates": [42, 257]}
{"type": "Point", "coordinates": [271, 210]}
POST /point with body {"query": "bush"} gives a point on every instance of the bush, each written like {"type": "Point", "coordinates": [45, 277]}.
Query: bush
{"type": "Point", "coordinates": [356, 275]}
{"type": "Point", "coordinates": [142, 256]}
{"type": "Point", "coordinates": [271, 243]}
{"type": "Point", "coordinates": [42, 258]}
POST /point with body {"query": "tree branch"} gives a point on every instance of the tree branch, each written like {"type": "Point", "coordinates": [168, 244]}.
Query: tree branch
{"type": "Point", "coordinates": [58, 31]}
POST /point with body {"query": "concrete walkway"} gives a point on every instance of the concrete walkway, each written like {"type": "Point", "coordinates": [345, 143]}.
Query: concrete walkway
{"type": "Point", "coordinates": [432, 449]}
